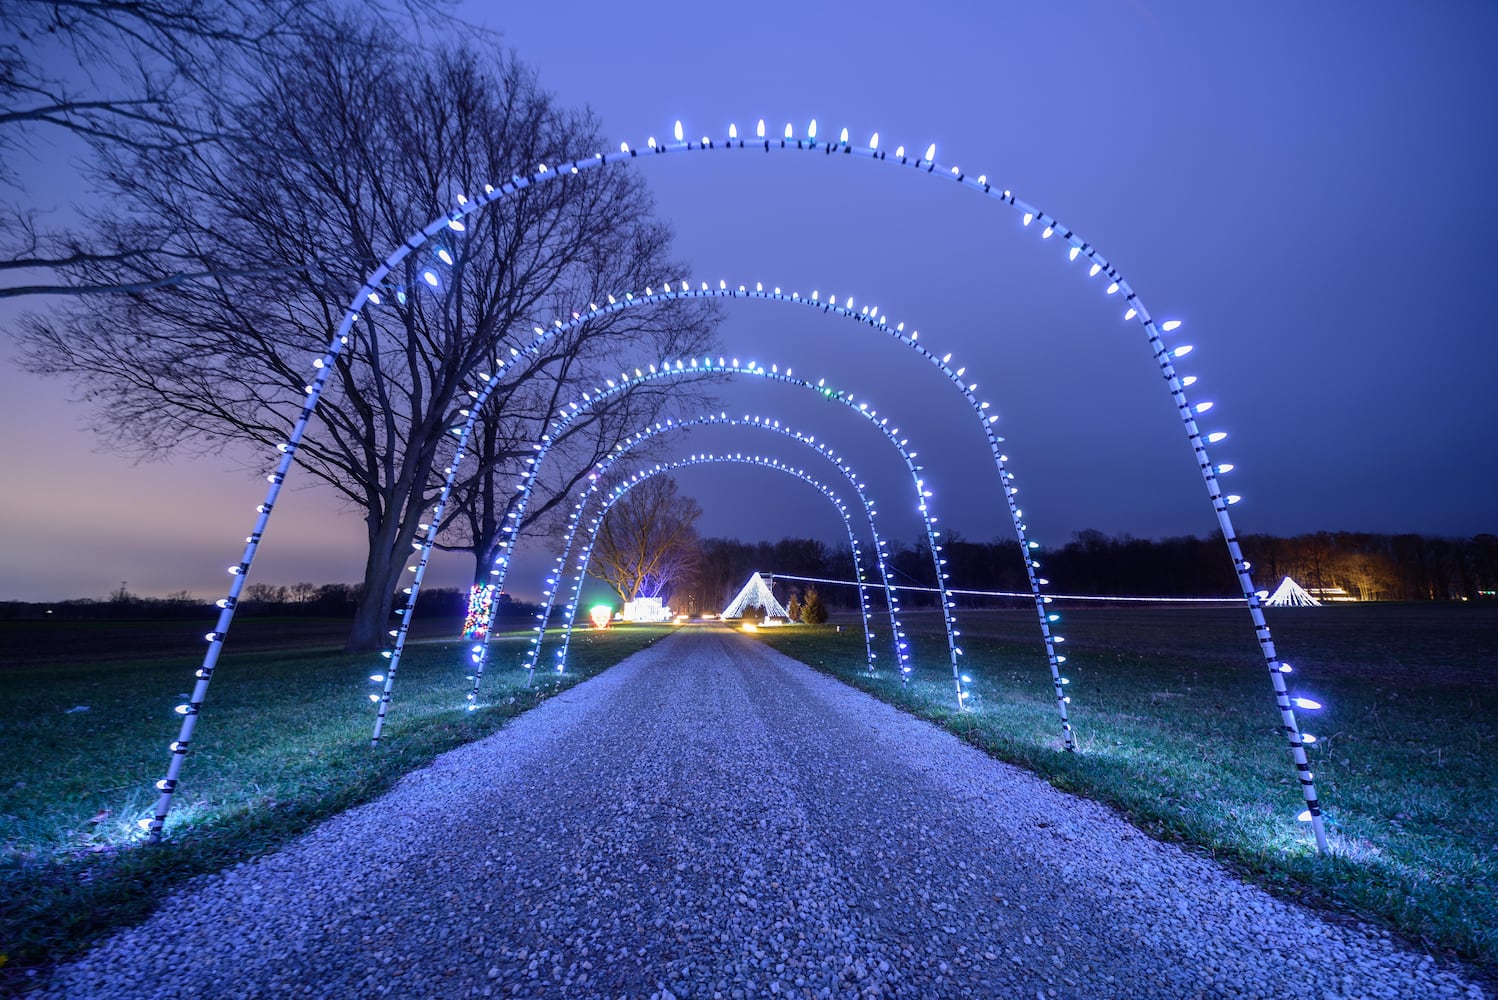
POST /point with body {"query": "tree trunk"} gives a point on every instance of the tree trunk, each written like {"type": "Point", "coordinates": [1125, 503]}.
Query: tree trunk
{"type": "Point", "coordinates": [372, 618]}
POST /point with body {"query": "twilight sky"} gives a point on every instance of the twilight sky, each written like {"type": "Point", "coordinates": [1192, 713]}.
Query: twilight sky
{"type": "Point", "coordinates": [1305, 186]}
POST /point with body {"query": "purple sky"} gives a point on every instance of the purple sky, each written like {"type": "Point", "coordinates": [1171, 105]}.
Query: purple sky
{"type": "Point", "coordinates": [1307, 187]}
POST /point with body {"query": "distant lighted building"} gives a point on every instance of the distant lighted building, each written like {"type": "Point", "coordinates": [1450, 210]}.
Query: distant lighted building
{"type": "Point", "coordinates": [646, 609]}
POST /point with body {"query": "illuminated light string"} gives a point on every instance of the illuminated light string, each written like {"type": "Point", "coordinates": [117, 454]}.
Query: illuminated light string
{"type": "Point", "coordinates": [1014, 593]}
{"type": "Point", "coordinates": [369, 293]}
{"type": "Point", "coordinates": [596, 480]}
{"type": "Point", "coordinates": [425, 537]}
{"type": "Point", "coordinates": [866, 315]}
{"type": "Point", "coordinates": [619, 490]}
{"type": "Point", "coordinates": [707, 366]}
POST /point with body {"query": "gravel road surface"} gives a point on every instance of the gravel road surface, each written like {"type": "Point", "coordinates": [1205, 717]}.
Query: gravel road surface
{"type": "Point", "coordinates": [712, 819]}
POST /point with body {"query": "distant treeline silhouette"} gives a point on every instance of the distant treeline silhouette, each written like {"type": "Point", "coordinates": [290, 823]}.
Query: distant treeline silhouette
{"type": "Point", "coordinates": [1370, 567]}
{"type": "Point", "coordinates": [328, 600]}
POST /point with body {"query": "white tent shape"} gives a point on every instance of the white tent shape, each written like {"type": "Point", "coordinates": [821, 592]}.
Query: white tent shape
{"type": "Point", "coordinates": [756, 594]}
{"type": "Point", "coordinates": [1290, 594]}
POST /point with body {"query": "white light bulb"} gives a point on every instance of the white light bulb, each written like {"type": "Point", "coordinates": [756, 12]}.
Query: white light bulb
{"type": "Point", "coordinates": [1203, 407]}
{"type": "Point", "coordinates": [1170, 324]}
{"type": "Point", "coordinates": [1305, 703]}
{"type": "Point", "coordinates": [1216, 436]}
{"type": "Point", "coordinates": [678, 130]}
{"type": "Point", "coordinates": [874, 141]}
{"type": "Point", "coordinates": [760, 129]}
{"type": "Point", "coordinates": [1225, 467]}
{"type": "Point", "coordinates": [931, 153]}
{"type": "Point", "coordinates": [1182, 351]}
{"type": "Point", "coordinates": [811, 129]}
{"type": "Point", "coordinates": [790, 133]}
{"type": "Point", "coordinates": [1307, 738]}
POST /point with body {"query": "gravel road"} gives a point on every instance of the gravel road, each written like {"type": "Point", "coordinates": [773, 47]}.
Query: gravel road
{"type": "Point", "coordinates": [712, 819]}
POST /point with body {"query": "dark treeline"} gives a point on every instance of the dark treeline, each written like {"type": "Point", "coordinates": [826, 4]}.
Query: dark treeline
{"type": "Point", "coordinates": [329, 600]}
{"type": "Point", "coordinates": [1369, 567]}
{"type": "Point", "coordinates": [724, 565]}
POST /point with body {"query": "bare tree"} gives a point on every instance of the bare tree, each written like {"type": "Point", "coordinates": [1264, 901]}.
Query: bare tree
{"type": "Point", "coordinates": [647, 543]}
{"type": "Point", "coordinates": [360, 144]}
{"type": "Point", "coordinates": [118, 75]}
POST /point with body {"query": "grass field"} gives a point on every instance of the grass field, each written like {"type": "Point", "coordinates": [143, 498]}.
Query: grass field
{"type": "Point", "coordinates": [283, 741]}
{"type": "Point", "coordinates": [1177, 728]}
{"type": "Point", "coordinates": [1172, 710]}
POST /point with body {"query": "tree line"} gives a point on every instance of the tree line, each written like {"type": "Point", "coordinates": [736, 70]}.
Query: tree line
{"type": "Point", "coordinates": [1366, 566]}
{"type": "Point", "coordinates": [327, 600]}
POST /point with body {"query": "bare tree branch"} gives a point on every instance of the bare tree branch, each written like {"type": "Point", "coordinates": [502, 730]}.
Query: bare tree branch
{"type": "Point", "coordinates": [137, 76]}
{"type": "Point", "coordinates": [371, 143]}
{"type": "Point", "coordinates": [647, 543]}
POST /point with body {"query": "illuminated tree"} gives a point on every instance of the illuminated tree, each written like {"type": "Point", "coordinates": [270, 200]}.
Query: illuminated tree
{"type": "Point", "coordinates": [648, 545]}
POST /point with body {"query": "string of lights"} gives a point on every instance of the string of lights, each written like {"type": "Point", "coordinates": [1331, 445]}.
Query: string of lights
{"type": "Point", "coordinates": [369, 295]}
{"type": "Point", "coordinates": [598, 477]}
{"type": "Point", "coordinates": [867, 315]}
{"type": "Point", "coordinates": [1012, 593]}
{"type": "Point", "coordinates": [621, 489]}
{"type": "Point", "coordinates": [722, 365]}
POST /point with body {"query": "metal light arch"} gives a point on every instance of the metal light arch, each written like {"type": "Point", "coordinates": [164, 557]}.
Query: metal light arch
{"type": "Point", "coordinates": [706, 366]}
{"type": "Point", "coordinates": [703, 459]}
{"type": "Point", "coordinates": [368, 293]}
{"type": "Point", "coordinates": [723, 420]}
{"type": "Point", "coordinates": [867, 316]}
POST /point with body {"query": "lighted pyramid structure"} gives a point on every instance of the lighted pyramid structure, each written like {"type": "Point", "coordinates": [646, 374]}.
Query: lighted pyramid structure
{"type": "Point", "coordinates": [1290, 594]}
{"type": "Point", "coordinates": [756, 594]}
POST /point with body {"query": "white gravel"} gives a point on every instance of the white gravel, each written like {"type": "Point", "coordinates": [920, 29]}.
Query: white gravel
{"type": "Point", "coordinates": [712, 819]}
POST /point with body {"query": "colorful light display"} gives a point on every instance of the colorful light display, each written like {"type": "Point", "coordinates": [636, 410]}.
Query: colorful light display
{"type": "Point", "coordinates": [690, 367]}
{"type": "Point", "coordinates": [597, 477]}
{"type": "Point", "coordinates": [708, 459]}
{"type": "Point", "coordinates": [866, 315]}
{"type": "Point", "coordinates": [480, 611]}
{"type": "Point", "coordinates": [380, 279]}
